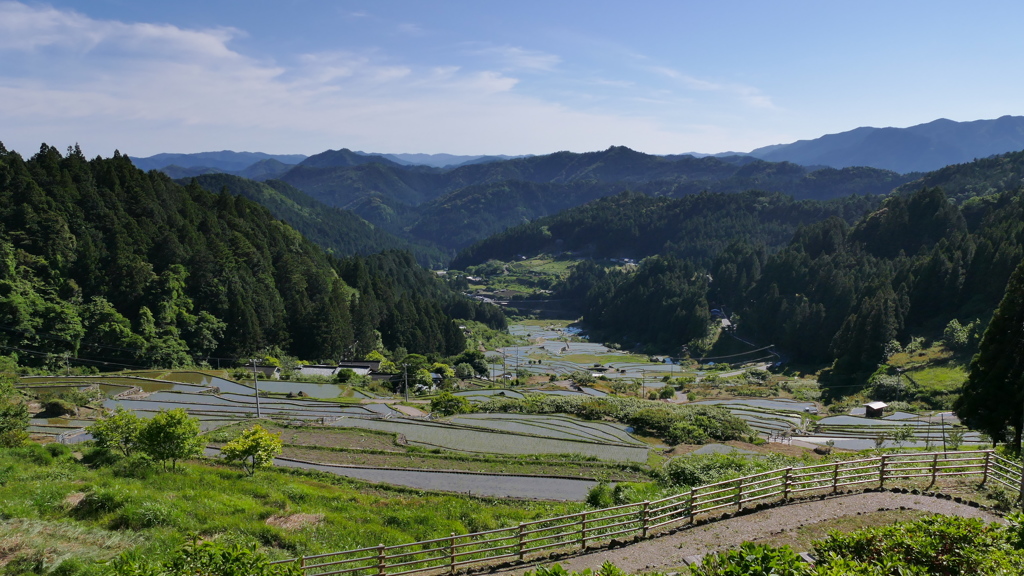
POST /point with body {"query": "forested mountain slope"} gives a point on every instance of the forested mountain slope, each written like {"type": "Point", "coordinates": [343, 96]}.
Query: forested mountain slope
{"type": "Point", "coordinates": [984, 177]}
{"type": "Point", "coordinates": [339, 232]}
{"type": "Point", "coordinates": [918, 148]}
{"type": "Point", "coordinates": [456, 207]}
{"type": "Point", "coordinates": [696, 227]}
{"type": "Point", "coordinates": [225, 160]}
{"type": "Point", "coordinates": [834, 292]}
{"type": "Point", "coordinates": [104, 263]}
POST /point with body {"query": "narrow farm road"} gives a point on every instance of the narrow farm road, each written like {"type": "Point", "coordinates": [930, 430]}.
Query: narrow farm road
{"type": "Point", "coordinates": [666, 553]}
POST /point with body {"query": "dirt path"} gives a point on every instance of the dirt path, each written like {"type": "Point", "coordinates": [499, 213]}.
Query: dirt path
{"type": "Point", "coordinates": [666, 553]}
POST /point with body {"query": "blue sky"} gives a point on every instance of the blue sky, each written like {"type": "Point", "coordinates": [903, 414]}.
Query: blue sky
{"type": "Point", "coordinates": [525, 77]}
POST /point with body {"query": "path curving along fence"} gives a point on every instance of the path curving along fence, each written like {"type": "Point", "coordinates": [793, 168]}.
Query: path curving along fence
{"type": "Point", "coordinates": [576, 531]}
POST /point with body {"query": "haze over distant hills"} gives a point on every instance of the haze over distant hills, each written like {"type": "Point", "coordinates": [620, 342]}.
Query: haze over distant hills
{"type": "Point", "coordinates": [920, 148]}
{"type": "Point", "coordinates": [223, 161]}
{"type": "Point", "coordinates": [449, 202]}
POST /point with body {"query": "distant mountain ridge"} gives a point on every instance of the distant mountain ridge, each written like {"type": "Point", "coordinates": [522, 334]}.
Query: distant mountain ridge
{"type": "Point", "coordinates": [920, 148]}
{"type": "Point", "coordinates": [440, 160]}
{"type": "Point", "coordinates": [225, 160]}
{"type": "Point", "coordinates": [455, 207]}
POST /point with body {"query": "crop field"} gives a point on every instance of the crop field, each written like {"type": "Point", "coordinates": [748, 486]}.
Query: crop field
{"type": "Point", "coordinates": [238, 406]}
{"type": "Point", "coordinates": [485, 441]}
{"type": "Point", "coordinates": [358, 447]}
{"type": "Point", "coordinates": [551, 425]}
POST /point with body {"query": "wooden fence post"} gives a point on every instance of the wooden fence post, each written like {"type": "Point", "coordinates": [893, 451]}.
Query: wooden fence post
{"type": "Point", "coordinates": [583, 531]}
{"type": "Point", "coordinates": [693, 505]}
{"type": "Point", "coordinates": [302, 564]}
{"type": "Point", "coordinates": [643, 518]}
{"type": "Point", "coordinates": [881, 472]}
{"type": "Point", "coordinates": [382, 561]}
{"type": "Point", "coordinates": [785, 484]}
{"type": "Point", "coordinates": [935, 467]}
{"type": "Point", "coordinates": [520, 545]}
{"type": "Point", "coordinates": [984, 473]}
{"type": "Point", "coordinates": [451, 554]}
{"type": "Point", "coordinates": [739, 494]}
{"type": "Point", "coordinates": [835, 479]}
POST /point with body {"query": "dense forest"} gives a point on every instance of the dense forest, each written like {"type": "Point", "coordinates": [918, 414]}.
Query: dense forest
{"type": "Point", "coordinates": [635, 225]}
{"type": "Point", "coordinates": [835, 291]}
{"type": "Point", "coordinates": [339, 232]}
{"type": "Point", "coordinates": [455, 207]}
{"type": "Point", "coordinates": [102, 263]}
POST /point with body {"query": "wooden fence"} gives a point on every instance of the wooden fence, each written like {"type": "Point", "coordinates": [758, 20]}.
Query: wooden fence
{"type": "Point", "coordinates": [575, 531]}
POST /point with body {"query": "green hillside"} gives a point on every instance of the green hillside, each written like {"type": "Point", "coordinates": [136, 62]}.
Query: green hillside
{"type": "Point", "coordinates": [106, 265]}
{"type": "Point", "coordinates": [339, 232]}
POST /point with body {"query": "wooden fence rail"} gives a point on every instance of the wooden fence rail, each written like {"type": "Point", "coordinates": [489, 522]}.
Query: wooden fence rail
{"type": "Point", "coordinates": [576, 531]}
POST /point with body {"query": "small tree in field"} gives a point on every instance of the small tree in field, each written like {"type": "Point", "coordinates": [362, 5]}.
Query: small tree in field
{"type": "Point", "coordinates": [446, 404]}
{"type": "Point", "coordinates": [171, 435]}
{"type": "Point", "coordinates": [119, 431]}
{"type": "Point", "coordinates": [253, 448]}
{"type": "Point", "coordinates": [902, 434]}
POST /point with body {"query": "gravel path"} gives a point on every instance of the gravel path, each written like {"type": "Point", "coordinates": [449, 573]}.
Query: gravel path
{"type": "Point", "coordinates": [666, 553]}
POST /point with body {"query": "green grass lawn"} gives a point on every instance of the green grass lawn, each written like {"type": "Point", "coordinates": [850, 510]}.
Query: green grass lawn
{"type": "Point", "coordinates": [948, 377]}
{"type": "Point", "coordinates": [98, 512]}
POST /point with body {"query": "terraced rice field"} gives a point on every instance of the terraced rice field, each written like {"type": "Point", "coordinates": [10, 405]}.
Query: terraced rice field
{"type": "Point", "coordinates": [481, 440]}
{"type": "Point", "coordinates": [555, 426]}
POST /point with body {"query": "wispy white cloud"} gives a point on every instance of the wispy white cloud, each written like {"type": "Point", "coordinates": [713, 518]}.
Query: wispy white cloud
{"type": "Point", "coordinates": [411, 29]}
{"type": "Point", "coordinates": [518, 58]}
{"type": "Point", "coordinates": [749, 95]}
{"type": "Point", "coordinates": [148, 88]}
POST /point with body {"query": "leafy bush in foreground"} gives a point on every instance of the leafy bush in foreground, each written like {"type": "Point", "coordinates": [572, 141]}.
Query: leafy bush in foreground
{"type": "Point", "coordinates": [753, 560]}
{"type": "Point", "coordinates": [206, 559]}
{"type": "Point", "coordinates": [931, 546]}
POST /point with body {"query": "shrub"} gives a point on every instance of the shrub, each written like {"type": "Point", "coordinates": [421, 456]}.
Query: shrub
{"type": "Point", "coordinates": [698, 470]}
{"type": "Point", "coordinates": [118, 431]}
{"type": "Point", "coordinates": [205, 559]}
{"type": "Point", "coordinates": [446, 404]}
{"type": "Point", "coordinates": [145, 515]}
{"type": "Point", "coordinates": [171, 435]}
{"type": "Point", "coordinates": [58, 450]}
{"type": "Point", "coordinates": [14, 418]}
{"type": "Point", "coordinates": [100, 501]}
{"type": "Point", "coordinates": [753, 560]}
{"type": "Point", "coordinates": [935, 544]}
{"type": "Point", "coordinates": [137, 466]}
{"type": "Point", "coordinates": [601, 496]}
{"type": "Point", "coordinates": [686, 433]}
{"type": "Point", "coordinates": [253, 448]}
{"type": "Point", "coordinates": [35, 453]}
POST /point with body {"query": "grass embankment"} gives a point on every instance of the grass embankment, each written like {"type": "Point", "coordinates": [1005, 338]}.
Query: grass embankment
{"type": "Point", "coordinates": [57, 507]}
{"type": "Point", "coordinates": [378, 449]}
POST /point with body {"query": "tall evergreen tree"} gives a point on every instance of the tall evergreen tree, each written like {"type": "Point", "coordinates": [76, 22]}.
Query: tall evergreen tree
{"type": "Point", "coordinates": [992, 399]}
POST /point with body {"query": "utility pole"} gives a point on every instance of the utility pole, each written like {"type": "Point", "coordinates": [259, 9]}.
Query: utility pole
{"type": "Point", "coordinates": [405, 370]}
{"type": "Point", "coordinates": [256, 385]}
